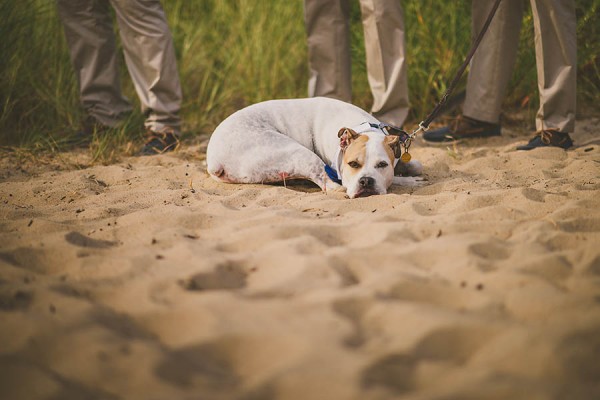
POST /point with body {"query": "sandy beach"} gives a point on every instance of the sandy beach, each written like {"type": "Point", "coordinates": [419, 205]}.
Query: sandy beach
{"type": "Point", "coordinates": [146, 279]}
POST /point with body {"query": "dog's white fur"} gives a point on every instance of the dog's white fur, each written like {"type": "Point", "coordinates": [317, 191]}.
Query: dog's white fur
{"type": "Point", "coordinates": [277, 140]}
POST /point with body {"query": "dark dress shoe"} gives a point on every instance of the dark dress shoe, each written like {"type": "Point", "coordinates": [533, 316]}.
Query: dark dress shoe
{"type": "Point", "coordinates": [548, 137]}
{"type": "Point", "coordinates": [462, 128]}
{"type": "Point", "coordinates": [159, 142]}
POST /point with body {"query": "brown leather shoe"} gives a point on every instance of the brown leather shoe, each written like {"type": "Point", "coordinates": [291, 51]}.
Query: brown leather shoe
{"type": "Point", "coordinates": [159, 142]}
{"type": "Point", "coordinates": [90, 126]}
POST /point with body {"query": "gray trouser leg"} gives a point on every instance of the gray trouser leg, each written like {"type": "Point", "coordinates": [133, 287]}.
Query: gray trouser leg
{"type": "Point", "coordinates": [150, 58]}
{"type": "Point", "coordinates": [89, 33]}
{"type": "Point", "coordinates": [327, 29]}
{"type": "Point", "coordinates": [149, 55]}
{"type": "Point", "coordinates": [556, 55]}
{"type": "Point", "coordinates": [493, 62]}
{"type": "Point", "coordinates": [383, 23]}
{"type": "Point", "coordinates": [556, 59]}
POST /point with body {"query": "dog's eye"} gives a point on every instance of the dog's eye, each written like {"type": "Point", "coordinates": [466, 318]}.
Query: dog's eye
{"type": "Point", "coordinates": [354, 164]}
{"type": "Point", "coordinates": [381, 164]}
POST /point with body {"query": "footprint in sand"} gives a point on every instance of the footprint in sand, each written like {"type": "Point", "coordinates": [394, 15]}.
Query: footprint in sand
{"type": "Point", "coordinates": [580, 225]}
{"type": "Point", "coordinates": [425, 208]}
{"type": "Point", "coordinates": [77, 239]}
{"type": "Point", "coordinates": [27, 258]}
{"type": "Point", "coordinates": [347, 277]}
{"type": "Point", "coordinates": [241, 198]}
{"type": "Point", "coordinates": [578, 354]}
{"type": "Point", "coordinates": [534, 194]}
{"type": "Point", "coordinates": [305, 239]}
{"type": "Point", "coordinates": [205, 366]}
{"type": "Point", "coordinates": [449, 345]}
{"type": "Point", "coordinates": [15, 300]}
{"type": "Point", "coordinates": [594, 266]}
{"type": "Point", "coordinates": [120, 324]}
{"type": "Point", "coordinates": [353, 309]}
{"type": "Point", "coordinates": [476, 202]}
{"type": "Point", "coordinates": [491, 250]}
{"type": "Point", "coordinates": [229, 275]}
{"type": "Point", "coordinates": [222, 368]}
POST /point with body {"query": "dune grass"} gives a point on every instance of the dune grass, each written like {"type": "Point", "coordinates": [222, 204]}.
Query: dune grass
{"type": "Point", "coordinates": [232, 53]}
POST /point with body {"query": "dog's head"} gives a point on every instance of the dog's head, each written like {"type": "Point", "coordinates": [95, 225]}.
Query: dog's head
{"type": "Point", "coordinates": [367, 166]}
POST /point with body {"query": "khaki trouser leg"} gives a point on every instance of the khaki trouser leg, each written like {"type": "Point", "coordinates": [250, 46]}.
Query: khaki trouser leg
{"type": "Point", "coordinates": [493, 62]}
{"type": "Point", "coordinates": [383, 23]}
{"type": "Point", "coordinates": [150, 58]}
{"type": "Point", "coordinates": [327, 29]}
{"type": "Point", "coordinates": [556, 55]}
{"type": "Point", "coordinates": [89, 33]}
{"type": "Point", "coordinates": [556, 59]}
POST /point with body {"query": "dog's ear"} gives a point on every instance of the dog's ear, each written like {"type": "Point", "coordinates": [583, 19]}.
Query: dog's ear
{"type": "Point", "coordinates": [346, 136]}
{"type": "Point", "coordinates": [394, 142]}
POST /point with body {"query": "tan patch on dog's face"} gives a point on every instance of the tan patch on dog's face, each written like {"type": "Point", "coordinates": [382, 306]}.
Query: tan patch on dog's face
{"type": "Point", "coordinates": [368, 156]}
{"type": "Point", "coordinates": [389, 142]}
{"type": "Point", "coordinates": [355, 156]}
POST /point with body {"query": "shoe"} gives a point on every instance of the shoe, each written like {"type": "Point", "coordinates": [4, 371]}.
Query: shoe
{"type": "Point", "coordinates": [89, 127]}
{"type": "Point", "coordinates": [548, 137]}
{"type": "Point", "coordinates": [159, 142]}
{"type": "Point", "coordinates": [462, 128]}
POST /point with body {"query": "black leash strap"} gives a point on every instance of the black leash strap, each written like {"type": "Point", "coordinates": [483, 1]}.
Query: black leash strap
{"type": "Point", "coordinates": [424, 125]}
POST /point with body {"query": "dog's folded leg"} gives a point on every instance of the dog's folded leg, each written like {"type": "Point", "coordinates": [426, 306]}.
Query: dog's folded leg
{"type": "Point", "coordinates": [411, 168]}
{"type": "Point", "coordinates": [409, 181]}
{"type": "Point", "coordinates": [327, 185]}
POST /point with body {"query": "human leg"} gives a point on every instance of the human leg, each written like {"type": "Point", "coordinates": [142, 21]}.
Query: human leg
{"type": "Point", "coordinates": [493, 62]}
{"type": "Point", "coordinates": [489, 73]}
{"type": "Point", "coordinates": [89, 33]}
{"type": "Point", "coordinates": [150, 58]}
{"type": "Point", "coordinates": [383, 23]}
{"type": "Point", "coordinates": [328, 36]}
{"type": "Point", "coordinates": [556, 58]}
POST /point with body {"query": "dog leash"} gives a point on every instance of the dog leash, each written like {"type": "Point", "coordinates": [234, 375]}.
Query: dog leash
{"type": "Point", "coordinates": [406, 138]}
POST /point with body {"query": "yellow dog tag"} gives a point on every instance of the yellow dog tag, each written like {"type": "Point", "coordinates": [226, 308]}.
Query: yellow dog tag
{"type": "Point", "coordinates": [405, 157]}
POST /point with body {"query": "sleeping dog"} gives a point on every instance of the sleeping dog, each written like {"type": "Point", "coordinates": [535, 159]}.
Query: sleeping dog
{"type": "Point", "coordinates": [332, 143]}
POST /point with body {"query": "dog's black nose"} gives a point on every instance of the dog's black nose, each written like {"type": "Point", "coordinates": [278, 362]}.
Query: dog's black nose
{"type": "Point", "coordinates": [366, 182]}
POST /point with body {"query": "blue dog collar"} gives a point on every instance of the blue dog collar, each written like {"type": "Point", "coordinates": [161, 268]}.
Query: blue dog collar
{"type": "Point", "coordinates": [332, 174]}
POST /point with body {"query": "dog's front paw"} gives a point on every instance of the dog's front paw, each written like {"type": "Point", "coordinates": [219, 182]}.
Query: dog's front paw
{"type": "Point", "coordinates": [331, 186]}
{"type": "Point", "coordinates": [409, 181]}
{"type": "Point", "coordinates": [411, 168]}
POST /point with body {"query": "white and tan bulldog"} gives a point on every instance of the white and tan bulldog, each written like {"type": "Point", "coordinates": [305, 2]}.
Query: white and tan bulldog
{"type": "Point", "coordinates": [332, 143]}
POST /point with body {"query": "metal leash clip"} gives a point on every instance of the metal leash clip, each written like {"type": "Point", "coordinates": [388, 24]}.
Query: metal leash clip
{"type": "Point", "coordinates": [405, 139]}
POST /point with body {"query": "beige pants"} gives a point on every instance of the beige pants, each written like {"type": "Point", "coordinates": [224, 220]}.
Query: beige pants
{"type": "Point", "coordinates": [149, 55]}
{"type": "Point", "coordinates": [327, 27]}
{"type": "Point", "coordinates": [556, 56]}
